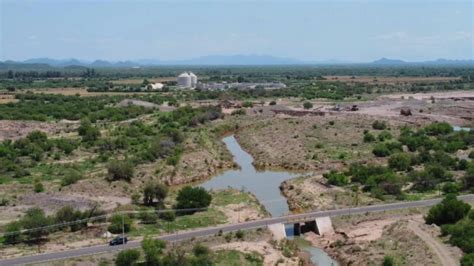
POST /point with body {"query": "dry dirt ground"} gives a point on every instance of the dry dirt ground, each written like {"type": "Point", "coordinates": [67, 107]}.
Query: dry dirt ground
{"type": "Point", "coordinates": [312, 142]}
{"type": "Point", "coordinates": [404, 236]}
{"type": "Point", "coordinates": [309, 193]}
{"type": "Point", "coordinates": [10, 129]}
{"type": "Point", "coordinates": [271, 255]}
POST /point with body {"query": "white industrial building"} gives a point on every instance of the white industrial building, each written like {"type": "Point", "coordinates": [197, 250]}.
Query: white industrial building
{"type": "Point", "coordinates": [187, 80]}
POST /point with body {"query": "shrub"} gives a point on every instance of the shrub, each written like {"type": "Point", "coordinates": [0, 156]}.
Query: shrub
{"type": "Point", "coordinates": [438, 128]}
{"type": "Point", "coordinates": [384, 135]}
{"type": "Point", "coordinates": [34, 219]}
{"type": "Point", "coordinates": [272, 103]}
{"type": "Point", "coordinates": [12, 233]}
{"type": "Point", "coordinates": [238, 112]}
{"type": "Point", "coordinates": [449, 211]}
{"type": "Point", "coordinates": [336, 178]}
{"type": "Point", "coordinates": [127, 257]}
{"type": "Point", "coordinates": [461, 234]}
{"type": "Point", "coordinates": [168, 215]}
{"type": "Point", "coordinates": [148, 217]}
{"type": "Point", "coordinates": [388, 261]}
{"type": "Point", "coordinates": [381, 150]}
{"type": "Point", "coordinates": [193, 197]}
{"type": "Point", "coordinates": [469, 176]}
{"type": "Point", "coordinates": [451, 188]}
{"type": "Point", "coordinates": [136, 198]}
{"type": "Point", "coordinates": [120, 170]}
{"type": "Point", "coordinates": [399, 161]}
{"type": "Point", "coordinates": [115, 226]}
{"type": "Point", "coordinates": [379, 125]}
{"type": "Point", "coordinates": [88, 132]}
{"type": "Point", "coordinates": [70, 178]}
{"type": "Point", "coordinates": [38, 186]}
{"type": "Point", "coordinates": [368, 137]}
{"type": "Point", "coordinates": [471, 154]}
{"type": "Point", "coordinates": [240, 234]}
{"type": "Point", "coordinates": [247, 104]}
{"type": "Point", "coordinates": [200, 250]}
{"type": "Point", "coordinates": [307, 105]}
{"type": "Point", "coordinates": [467, 259]}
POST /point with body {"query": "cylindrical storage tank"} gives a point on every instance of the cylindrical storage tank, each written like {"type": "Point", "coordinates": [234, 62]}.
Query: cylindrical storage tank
{"type": "Point", "coordinates": [194, 79]}
{"type": "Point", "coordinates": [184, 80]}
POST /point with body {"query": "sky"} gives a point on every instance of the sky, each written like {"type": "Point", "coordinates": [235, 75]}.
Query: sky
{"type": "Point", "coordinates": [354, 31]}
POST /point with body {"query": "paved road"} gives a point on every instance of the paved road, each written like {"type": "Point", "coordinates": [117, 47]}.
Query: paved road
{"type": "Point", "coordinates": [226, 228]}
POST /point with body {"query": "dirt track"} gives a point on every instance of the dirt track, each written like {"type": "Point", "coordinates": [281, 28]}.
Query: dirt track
{"type": "Point", "coordinates": [438, 248]}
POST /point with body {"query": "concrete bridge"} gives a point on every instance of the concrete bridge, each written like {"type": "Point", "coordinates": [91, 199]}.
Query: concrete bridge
{"type": "Point", "coordinates": [320, 226]}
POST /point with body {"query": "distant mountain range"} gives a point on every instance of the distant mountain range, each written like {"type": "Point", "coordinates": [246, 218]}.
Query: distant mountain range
{"type": "Point", "coordinates": [214, 60]}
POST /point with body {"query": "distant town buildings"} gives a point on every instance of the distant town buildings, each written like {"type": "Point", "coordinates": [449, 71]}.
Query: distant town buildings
{"type": "Point", "coordinates": [156, 86]}
{"type": "Point", "coordinates": [188, 80]}
{"type": "Point", "coordinates": [240, 86]}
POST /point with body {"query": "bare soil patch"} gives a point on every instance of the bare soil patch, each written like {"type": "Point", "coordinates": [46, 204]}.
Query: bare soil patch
{"type": "Point", "coordinates": [10, 129]}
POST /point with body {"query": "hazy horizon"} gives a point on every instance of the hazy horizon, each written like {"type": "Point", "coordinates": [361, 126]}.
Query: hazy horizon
{"type": "Point", "coordinates": [349, 31]}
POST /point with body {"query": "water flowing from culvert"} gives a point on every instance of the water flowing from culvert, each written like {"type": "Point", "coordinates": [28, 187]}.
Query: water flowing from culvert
{"type": "Point", "coordinates": [265, 186]}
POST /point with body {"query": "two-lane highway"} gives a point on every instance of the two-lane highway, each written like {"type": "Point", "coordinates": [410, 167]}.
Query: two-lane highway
{"type": "Point", "coordinates": [225, 228]}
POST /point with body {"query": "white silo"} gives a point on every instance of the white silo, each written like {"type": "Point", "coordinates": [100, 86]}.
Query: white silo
{"type": "Point", "coordinates": [184, 80]}
{"type": "Point", "coordinates": [194, 79]}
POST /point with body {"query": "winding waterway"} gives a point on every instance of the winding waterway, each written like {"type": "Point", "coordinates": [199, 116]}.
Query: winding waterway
{"type": "Point", "coordinates": [265, 186]}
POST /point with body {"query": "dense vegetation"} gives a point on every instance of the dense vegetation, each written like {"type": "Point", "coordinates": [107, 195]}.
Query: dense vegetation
{"type": "Point", "coordinates": [37, 225]}
{"type": "Point", "coordinates": [456, 220]}
{"type": "Point", "coordinates": [43, 107]}
{"type": "Point", "coordinates": [427, 164]}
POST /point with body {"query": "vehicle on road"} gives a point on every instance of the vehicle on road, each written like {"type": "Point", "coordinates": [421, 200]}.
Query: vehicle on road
{"type": "Point", "coordinates": [119, 240]}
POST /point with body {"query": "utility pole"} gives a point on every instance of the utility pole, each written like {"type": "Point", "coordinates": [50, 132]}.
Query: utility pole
{"type": "Point", "coordinates": [123, 229]}
{"type": "Point", "coordinates": [106, 230]}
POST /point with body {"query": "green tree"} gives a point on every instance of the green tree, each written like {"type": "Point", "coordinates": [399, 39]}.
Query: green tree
{"type": "Point", "coordinates": [127, 257]}
{"type": "Point", "coordinates": [449, 211]}
{"type": "Point", "coordinates": [399, 161]}
{"type": "Point", "coordinates": [12, 233]}
{"type": "Point", "coordinates": [35, 221]}
{"type": "Point", "coordinates": [115, 226]}
{"type": "Point", "coordinates": [88, 132]}
{"type": "Point", "coordinates": [153, 250]}
{"type": "Point", "coordinates": [154, 190]}
{"type": "Point", "coordinates": [193, 197]}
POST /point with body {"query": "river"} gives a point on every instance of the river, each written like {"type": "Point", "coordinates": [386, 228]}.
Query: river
{"type": "Point", "coordinates": [265, 186]}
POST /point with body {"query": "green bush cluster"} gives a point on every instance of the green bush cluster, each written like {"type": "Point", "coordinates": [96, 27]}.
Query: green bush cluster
{"type": "Point", "coordinates": [457, 221]}
{"type": "Point", "coordinates": [36, 146]}
{"type": "Point", "coordinates": [43, 107]}
{"type": "Point", "coordinates": [35, 224]}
